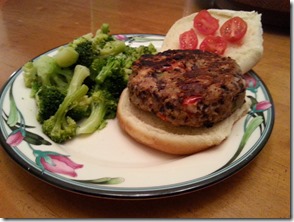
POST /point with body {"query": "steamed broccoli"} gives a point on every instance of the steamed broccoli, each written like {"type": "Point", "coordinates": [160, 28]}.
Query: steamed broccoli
{"type": "Point", "coordinates": [106, 44]}
{"type": "Point", "coordinates": [112, 73]}
{"type": "Point", "coordinates": [86, 51]}
{"type": "Point", "coordinates": [96, 66]}
{"type": "Point", "coordinates": [115, 83]}
{"type": "Point", "coordinates": [112, 66]}
{"type": "Point", "coordinates": [112, 48]}
{"type": "Point", "coordinates": [102, 36]}
{"type": "Point", "coordinates": [44, 71]}
{"type": "Point", "coordinates": [133, 54]}
{"type": "Point", "coordinates": [102, 44]}
{"type": "Point", "coordinates": [30, 74]}
{"type": "Point", "coordinates": [88, 46]}
{"type": "Point", "coordinates": [81, 108]}
{"type": "Point", "coordinates": [48, 99]}
{"type": "Point", "coordinates": [60, 127]}
{"type": "Point", "coordinates": [77, 90]}
{"type": "Point", "coordinates": [49, 73]}
{"type": "Point", "coordinates": [103, 107]}
{"type": "Point", "coordinates": [112, 76]}
{"type": "Point", "coordinates": [66, 56]}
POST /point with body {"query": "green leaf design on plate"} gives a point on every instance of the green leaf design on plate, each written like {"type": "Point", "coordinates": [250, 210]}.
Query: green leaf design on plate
{"type": "Point", "coordinates": [144, 39]}
{"type": "Point", "coordinates": [254, 123]}
{"type": "Point", "coordinates": [13, 114]}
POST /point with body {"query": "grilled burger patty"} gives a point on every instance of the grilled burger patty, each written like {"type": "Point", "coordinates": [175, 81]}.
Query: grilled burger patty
{"type": "Point", "coordinates": [187, 87]}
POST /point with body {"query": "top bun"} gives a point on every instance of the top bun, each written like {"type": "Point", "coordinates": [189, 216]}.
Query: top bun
{"type": "Point", "coordinates": [247, 55]}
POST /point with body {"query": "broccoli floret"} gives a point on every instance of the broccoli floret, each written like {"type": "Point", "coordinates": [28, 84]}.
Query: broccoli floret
{"type": "Point", "coordinates": [112, 73]}
{"type": "Point", "coordinates": [115, 84]}
{"type": "Point", "coordinates": [66, 56]}
{"type": "Point", "coordinates": [106, 44]}
{"type": "Point", "coordinates": [112, 48]}
{"type": "Point", "coordinates": [62, 79]}
{"type": "Point", "coordinates": [112, 66]}
{"type": "Point", "coordinates": [102, 44]}
{"type": "Point", "coordinates": [30, 74]}
{"type": "Point", "coordinates": [44, 71]}
{"type": "Point", "coordinates": [88, 46]}
{"type": "Point", "coordinates": [35, 87]}
{"type": "Point", "coordinates": [60, 127]}
{"type": "Point", "coordinates": [48, 99]}
{"type": "Point", "coordinates": [121, 62]}
{"type": "Point", "coordinates": [102, 36]}
{"type": "Point", "coordinates": [49, 73]}
{"type": "Point", "coordinates": [96, 67]}
{"type": "Point", "coordinates": [46, 67]}
{"type": "Point", "coordinates": [81, 109]}
{"type": "Point", "coordinates": [103, 107]}
{"type": "Point", "coordinates": [131, 54]}
{"type": "Point", "coordinates": [85, 51]}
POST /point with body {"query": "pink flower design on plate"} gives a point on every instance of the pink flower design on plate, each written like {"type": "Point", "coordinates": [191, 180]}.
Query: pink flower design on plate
{"type": "Point", "coordinates": [120, 37]}
{"type": "Point", "coordinates": [56, 163]}
{"type": "Point", "coordinates": [252, 82]}
{"type": "Point", "coordinates": [15, 137]}
{"type": "Point", "coordinates": [262, 106]}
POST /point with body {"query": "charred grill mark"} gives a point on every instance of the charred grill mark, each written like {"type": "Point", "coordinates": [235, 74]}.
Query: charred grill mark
{"type": "Point", "coordinates": [208, 124]}
{"type": "Point", "coordinates": [169, 105]}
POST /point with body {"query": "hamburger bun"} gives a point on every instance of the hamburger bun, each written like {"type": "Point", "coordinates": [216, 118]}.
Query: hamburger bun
{"type": "Point", "coordinates": [153, 132]}
{"type": "Point", "coordinates": [246, 55]}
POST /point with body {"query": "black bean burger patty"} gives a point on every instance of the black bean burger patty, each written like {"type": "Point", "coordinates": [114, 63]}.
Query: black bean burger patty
{"type": "Point", "coordinates": [187, 87]}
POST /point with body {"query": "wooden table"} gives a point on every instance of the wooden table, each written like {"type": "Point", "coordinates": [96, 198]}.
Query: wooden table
{"type": "Point", "coordinates": [261, 190]}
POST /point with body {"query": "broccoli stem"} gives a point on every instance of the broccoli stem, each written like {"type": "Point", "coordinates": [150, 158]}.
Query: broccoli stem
{"type": "Point", "coordinates": [93, 122]}
{"type": "Point", "coordinates": [80, 74]}
{"type": "Point", "coordinates": [111, 66]}
{"type": "Point", "coordinates": [113, 48]}
{"type": "Point", "coordinates": [66, 56]}
{"type": "Point", "coordinates": [65, 105]}
{"type": "Point", "coordinates": [104, 28]}
{"type": "Point", "coordinates": [30, 74]}
{"type": "Point", "coordinates": [45, 66]}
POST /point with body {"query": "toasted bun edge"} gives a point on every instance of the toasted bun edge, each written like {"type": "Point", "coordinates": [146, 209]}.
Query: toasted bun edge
{"type": "Point", "coordinates": [147, 129]}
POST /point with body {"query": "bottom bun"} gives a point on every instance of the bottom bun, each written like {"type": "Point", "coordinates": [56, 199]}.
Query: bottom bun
{"type": "Point", "coordinates": [151, 131]}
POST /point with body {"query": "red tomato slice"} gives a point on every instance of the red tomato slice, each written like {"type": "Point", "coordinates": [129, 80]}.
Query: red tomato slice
{"type": "Point", "coordinates": [215, 44]}
{"type": "Point", "coordinates": [188, 40]}
{"type": "Point", "coordinates": [205, 23]}
{"type": "Point", "coordinates": [234, 29]}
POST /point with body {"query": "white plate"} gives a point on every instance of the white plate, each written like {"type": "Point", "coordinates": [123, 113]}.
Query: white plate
{"type": "Point", "coordinates": [110, 164]}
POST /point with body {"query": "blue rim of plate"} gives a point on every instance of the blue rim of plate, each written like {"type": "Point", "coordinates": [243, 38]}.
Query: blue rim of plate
{"type": "Point", "coordinates": [145, 192]}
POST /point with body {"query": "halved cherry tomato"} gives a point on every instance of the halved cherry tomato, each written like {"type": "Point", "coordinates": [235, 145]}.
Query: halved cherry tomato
{"type": "Point", "coordinates": [188, 40]}
{"type": "Point", "coordinates": [215, 44]}
{"type": "Point", "coordinates": [233, 29]}
{"type": "Point", "coordinates": [205, 23]}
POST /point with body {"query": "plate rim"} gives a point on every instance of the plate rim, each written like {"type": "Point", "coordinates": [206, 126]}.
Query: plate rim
{"type": "Point", "coordinates": [144, 192]}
